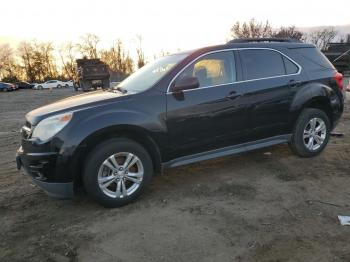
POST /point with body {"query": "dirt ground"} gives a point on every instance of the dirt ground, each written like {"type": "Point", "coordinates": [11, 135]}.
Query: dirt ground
{"type": "Point", "coordinates": [266, 205]}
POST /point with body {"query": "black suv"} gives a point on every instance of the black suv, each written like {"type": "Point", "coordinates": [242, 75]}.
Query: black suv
{"type": "Point", "coordinates": [180, 109]}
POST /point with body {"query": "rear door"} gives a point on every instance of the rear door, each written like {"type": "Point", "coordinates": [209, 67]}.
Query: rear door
{"type": "Point", "coordinates": [271, 79]}
{"type": "Point", "coordinates": [211, 116]}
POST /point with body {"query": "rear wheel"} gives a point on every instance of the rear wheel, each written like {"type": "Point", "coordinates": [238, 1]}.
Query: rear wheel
{"type": "Point", "coordinates": [311, 133]}
{"type": "Point", "coordinates": [117, 171]}
{"type": "Point", "coordinates": [105, 84]}
{"type": "Point", "coordinates": [59, 86]}
{"type": "Point", "coordinates": [66, 86]}
{"type": "Point", "coordinates": [85, 86]}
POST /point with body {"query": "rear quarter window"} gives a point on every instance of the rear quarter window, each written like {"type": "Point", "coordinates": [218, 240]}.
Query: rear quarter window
{"type": "Point", "coordinates": [291, 68]}
{"type": "Point", "coordinates": [314, 59]}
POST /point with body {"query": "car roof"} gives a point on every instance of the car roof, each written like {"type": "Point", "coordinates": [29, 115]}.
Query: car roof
{"type": "Point", "coordinates": [251, 44]}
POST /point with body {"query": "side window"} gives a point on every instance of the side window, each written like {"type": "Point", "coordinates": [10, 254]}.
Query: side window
{"type": "Point", "coordinates": [291, 68]}
{"type": "Point", "coordinates": [213, 69]}
{"type": "Point", "coordinates": [261, 63]}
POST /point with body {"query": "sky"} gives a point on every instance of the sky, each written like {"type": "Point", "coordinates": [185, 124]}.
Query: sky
{"type": "Point", "coordinates": [164, 25]}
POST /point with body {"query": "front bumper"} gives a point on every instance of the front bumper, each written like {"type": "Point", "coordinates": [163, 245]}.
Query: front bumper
{"type": "Point", "coordinates": [38, 166]}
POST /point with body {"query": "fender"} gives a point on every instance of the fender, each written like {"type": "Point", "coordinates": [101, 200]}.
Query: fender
{"type": "Point", "coordinates": [308, 93]}
{"type": "Point", "coordinates": [317, 95]}
{"type": "Point", "coordinates": [95, 120]}
{"type": "Point", "coordinates": [106, 118]}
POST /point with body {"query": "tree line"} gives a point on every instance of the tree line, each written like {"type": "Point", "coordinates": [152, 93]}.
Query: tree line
{"type": "Point", "coordinates": [35, 61]}
{"type": "Point", "coordinates": [254, 29]}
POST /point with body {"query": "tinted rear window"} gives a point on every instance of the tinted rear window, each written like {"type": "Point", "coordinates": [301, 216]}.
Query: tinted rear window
{"type": "Point", "coordinates": [314, 59]}
{"type": "Point", "coordinates": [260, 63]}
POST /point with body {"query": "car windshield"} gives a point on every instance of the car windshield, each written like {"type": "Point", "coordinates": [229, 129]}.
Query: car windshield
{"type": "Point", "coordinates": [150, 74]}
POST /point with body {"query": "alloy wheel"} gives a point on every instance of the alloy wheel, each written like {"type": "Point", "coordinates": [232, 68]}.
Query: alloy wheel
{"type": "Point", "coordinates": [314, 134]}
{"type": "Point", "coordinates": [120, 175]}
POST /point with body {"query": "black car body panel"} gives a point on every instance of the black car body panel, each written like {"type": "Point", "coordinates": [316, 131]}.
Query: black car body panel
{"type": "Point", "coordinates": [24, 85]}
{"type": "Point", "coordinates": [6, 86]}
{"type": "Point", "coordinates": [184, 127]}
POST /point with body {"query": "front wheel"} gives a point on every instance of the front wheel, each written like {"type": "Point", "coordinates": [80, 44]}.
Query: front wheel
{"type": "Point", "coordinates": [117, 171]}
{"type": "Point", "coordinates": [311, 133]}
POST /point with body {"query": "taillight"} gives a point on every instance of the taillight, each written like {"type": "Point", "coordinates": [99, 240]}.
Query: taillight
{"type": "Point", "coordinates": [338, 77]}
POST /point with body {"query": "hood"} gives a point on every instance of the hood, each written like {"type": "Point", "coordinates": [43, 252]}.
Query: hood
{"type": "Point", "coordinates": [72, 104]}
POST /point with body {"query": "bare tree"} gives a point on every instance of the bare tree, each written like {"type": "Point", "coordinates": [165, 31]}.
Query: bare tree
{"type": "Point", "coordinates": [88, 46]}
{"type": "Point", "coordinates": [117, 59]}
{"type": "Point", "coordinates": [6, 54]}
{"type": "Point", "coordinates": [9, 70]}
{"type": "Point", "coordinates": [251, 29]}
{"type": "Point", "coordinates": [25, 52]}
{"type": "Point", "coordinates": [140, 54]}
{"type": "Point", "coordinates": [46, 60]}
{"type": "Point", "coordinates": [37, 60]}
{"type": "Point", "coordinates": [322, 37]}
{"type": "Point", "coordinates": [288, 32]}
{"type": "Point", "coordinates": [254, 29]}
{"type": "Point", "coordinates": [68, 56]}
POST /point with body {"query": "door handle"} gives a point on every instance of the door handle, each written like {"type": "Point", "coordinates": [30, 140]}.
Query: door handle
{"type": "Point", "coordinates": [294, 83]}
{"type": "Point", "coordinates": [233, 95]}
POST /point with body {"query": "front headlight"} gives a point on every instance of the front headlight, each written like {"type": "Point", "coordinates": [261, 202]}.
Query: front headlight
{"type": "Point", "coordinates": [50, 126]}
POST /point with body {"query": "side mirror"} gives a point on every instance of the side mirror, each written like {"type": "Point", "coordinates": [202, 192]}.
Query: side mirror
{"type": "Point", "coordinates": [185, 84]}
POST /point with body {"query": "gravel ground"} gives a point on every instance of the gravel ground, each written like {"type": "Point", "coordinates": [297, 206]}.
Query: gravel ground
{"type": "Point", "coordinates": [267, 205]}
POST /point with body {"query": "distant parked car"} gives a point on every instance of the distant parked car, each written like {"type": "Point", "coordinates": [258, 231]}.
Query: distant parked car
{"type": "Point", "coordinates": [7, 87]}
{"type": "Point", "coordinates": [70, 83]}
{"type": "Point", "coordinates": [24, 85]}
{"type": "Point", "coordinates": [51, 84]}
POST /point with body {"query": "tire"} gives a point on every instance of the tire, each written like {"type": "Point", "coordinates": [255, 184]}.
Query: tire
{"type": "Point", "coordinates": [59, 86]}
{"type": "Point", "coordinates": [84, 87]}
{"type": "Point", "coordinates": [302, 134]}
{"type": "Point", "coordinates": [106, 84]}
{"type": "Point", "coordinates": [5, 89]}
{"type": "Point", "coordinates": [40, 87]}
{"type": "Point", "coordinates": [66, 86]}
{"type": "Point", "coordinates": [94, 169]}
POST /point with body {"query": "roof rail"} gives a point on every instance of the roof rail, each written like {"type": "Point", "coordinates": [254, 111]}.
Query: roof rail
{"type": "Point", "coordinates": [270, 39]}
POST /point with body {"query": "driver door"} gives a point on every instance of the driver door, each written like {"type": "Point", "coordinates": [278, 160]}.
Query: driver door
{"type": "Point", "coordinates": [211, 116]}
